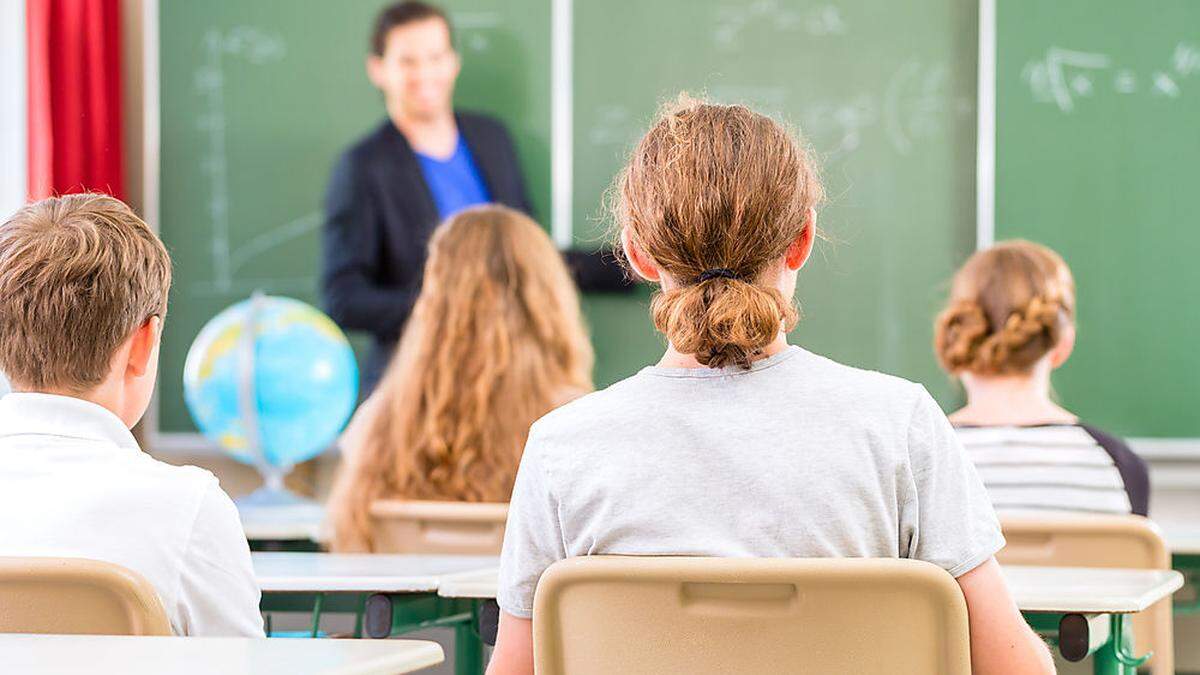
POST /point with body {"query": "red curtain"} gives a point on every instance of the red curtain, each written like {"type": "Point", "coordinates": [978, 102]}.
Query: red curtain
{"type": "Point", "coordinates": [75, 117]}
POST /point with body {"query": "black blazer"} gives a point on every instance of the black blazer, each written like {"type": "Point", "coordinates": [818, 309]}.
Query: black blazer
{"type": "Point", "coordinates": [379, 214]}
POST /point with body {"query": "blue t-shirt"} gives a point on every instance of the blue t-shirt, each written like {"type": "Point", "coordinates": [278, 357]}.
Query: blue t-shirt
{"type": "Point", "coordinates": [455, 182]}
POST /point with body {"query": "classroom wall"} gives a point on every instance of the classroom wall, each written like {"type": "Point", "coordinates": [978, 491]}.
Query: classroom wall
{"type": "Point", "coordinates": [12, 105]}
{"type": "Point", "coordinates": [237, 479]}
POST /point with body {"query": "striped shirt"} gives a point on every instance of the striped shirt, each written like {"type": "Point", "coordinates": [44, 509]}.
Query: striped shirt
{"type": "Point", "coordinates": [1057, 467]}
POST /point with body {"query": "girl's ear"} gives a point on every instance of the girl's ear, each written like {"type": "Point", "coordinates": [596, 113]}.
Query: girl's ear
{"type": "Point", "coordinates": [641, 263]}
{"type": "Point", "coordinates": [1062, 350]}
{"type": "Point", "coordinates": [799, 250]}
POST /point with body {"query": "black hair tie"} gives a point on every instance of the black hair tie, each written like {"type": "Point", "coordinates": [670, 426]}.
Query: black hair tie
{"type": "Point", "coordinates": [721, 272]}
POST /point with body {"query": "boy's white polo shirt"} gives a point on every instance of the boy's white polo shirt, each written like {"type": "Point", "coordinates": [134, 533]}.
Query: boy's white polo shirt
{"type": "Point", "coordinates": [73, 483]}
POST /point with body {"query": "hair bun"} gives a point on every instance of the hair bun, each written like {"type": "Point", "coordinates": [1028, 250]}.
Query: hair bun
{"type": "Point", "coordinates": [722, 320]}
{"type": "Point", "coordinates": [1026, 336]}
{"type": "Point", "coordinates": [961, 329]}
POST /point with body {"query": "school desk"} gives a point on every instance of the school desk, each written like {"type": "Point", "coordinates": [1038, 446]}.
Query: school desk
{"type": "Point", "coordinates": [53, 654]}
{"type": "Point", "coordinates": [1082, 609]}
{"type": "Point", "coordinates": [1183, 540]}
{"type": "Point", "coordinates": [388, 594]}
{"type": "Point", "coordinates": [293, 527]}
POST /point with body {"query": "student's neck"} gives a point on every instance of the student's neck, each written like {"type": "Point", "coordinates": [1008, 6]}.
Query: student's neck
{"type": "Point", "coordinates": [1010, 400]}
{"type": "Point", "coordinates": [107, 395]}
{"type": "Point", "coordinates": [673, 358]}
{"type": "Point", "coordinates": [436, 135]}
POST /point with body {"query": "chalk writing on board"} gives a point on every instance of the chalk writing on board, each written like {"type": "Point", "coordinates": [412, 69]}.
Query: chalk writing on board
{"type": "Point", "coordinates": [732, 22]}
{"type": "Point", "coordinates": [474, 27]}
{"type": "Point", "coordinates": [613, 126]}
{"type": "Point", "coordinates": [255, 47]}
{"type": "Point", "coordinates": [1066, 77]}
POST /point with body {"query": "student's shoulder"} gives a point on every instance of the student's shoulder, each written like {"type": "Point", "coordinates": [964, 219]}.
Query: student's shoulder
{"type": "Point", "coordinates": [864, 385]}
{"type": "Point", "coordinates": [596, 410]}
{"type": "Point", "coordinates": [176, 478]}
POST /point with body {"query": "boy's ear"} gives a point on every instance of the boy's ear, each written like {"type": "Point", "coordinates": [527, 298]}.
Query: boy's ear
{"type": "Point", "coordinates": [641, 263]}
{"type": "Point", "coordinates": [142, 346]}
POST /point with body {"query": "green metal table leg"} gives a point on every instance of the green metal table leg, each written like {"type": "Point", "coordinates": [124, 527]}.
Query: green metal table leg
{"type": "Point", "coordinates": [468, 649]}
{"type": "Point", "coordinates": [316, 614]}
{"type": "Point", "coordinates": [1117, 657]}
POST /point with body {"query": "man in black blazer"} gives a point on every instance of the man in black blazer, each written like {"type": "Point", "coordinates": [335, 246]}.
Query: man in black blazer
{"type": "Point", "coordinates": [391, 188]}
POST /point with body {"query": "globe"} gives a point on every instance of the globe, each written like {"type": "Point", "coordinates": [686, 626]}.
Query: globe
{"type": "Point", "coordinates": [272, 381]}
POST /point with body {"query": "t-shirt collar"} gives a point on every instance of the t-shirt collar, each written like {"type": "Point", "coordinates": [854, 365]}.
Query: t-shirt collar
{"type": "Point", "coordinates": [28, 413]}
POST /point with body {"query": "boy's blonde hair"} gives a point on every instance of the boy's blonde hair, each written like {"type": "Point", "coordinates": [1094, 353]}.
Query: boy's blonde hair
{"type": "Point", "coordinates": [78, 274]}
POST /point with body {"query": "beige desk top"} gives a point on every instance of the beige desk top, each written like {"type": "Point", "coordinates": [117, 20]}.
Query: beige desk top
{"type": "Point", "coordinates": [54, 654]}
{"type": "Point", "coordinates": [1035, 589]}
{"type": "Point", "coordinates": [349, 572]}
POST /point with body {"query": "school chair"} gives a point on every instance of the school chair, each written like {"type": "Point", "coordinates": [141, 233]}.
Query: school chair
{"type": "Point", "coordinates": [451, 528]}
{"type": "Point", "coordinates": [1055, 540]}
{"type": "Point", "coordinates": [78, 596]}
{"type": "Point", "coordinates": [625, 614]}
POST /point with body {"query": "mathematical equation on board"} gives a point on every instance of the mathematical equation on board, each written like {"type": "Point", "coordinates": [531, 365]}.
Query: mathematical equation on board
{"type": "Point", "coordinates": [1067, 77]}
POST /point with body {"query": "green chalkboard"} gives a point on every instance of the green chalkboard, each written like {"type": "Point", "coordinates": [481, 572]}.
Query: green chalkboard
{"type": "Point", "coordinates": [257, 101]}
{"type": "Point", "coordinates": [884, 92]}
{"type": "Point", "coordinates": [1097, 140]}
{"type": "Point", "coordinates": [259, 97]}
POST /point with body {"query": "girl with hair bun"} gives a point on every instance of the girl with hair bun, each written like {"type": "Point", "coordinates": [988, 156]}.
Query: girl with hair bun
{"type": "Point", "coordinates": [1009, 323]}
{"type": "Point", "coordinates": [736, 443]}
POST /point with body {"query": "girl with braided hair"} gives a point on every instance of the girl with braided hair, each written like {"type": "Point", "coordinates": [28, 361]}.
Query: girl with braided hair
{"type": "Point", "coordinates": [1008, 324]}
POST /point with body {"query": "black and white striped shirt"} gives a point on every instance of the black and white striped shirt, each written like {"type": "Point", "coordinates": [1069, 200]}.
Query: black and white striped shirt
{"type": "Point", "coordinates": [1059, 467]}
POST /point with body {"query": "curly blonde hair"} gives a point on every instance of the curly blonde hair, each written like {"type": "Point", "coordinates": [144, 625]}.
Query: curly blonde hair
{"type": "Point", "coordinates": [1008, 307]}
{"type": "Point", "coordinates": [717, 188]}
{"type": "Point", "coordinates": [495, 341]}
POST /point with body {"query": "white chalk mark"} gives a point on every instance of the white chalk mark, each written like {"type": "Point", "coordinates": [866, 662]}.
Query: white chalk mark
{"type": "Point", "coordinates": [254, 46]}
{"type": "Point", "coordinates": [1125, 81]}
{"type": "Point", "coordinates": [274, 237]}
{"type": "Point", "coordinates": [1164, 85]}
{"type": "Point", "coordinates": [1081, 85]}
{"type": "Point", "coordinates": [732, 22]}
{"type": "Point", "coordinates": [1186, 59]}
{"type": "Point", "coordinates": [892, 122]}
{"type": "Point", "coordinates": [1047, 78]}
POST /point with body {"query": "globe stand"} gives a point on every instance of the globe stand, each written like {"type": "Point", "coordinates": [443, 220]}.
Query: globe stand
{"type": "Point", "coordinates": [273, 508]}
{"type": "Point", "coordinates": [273, 493]}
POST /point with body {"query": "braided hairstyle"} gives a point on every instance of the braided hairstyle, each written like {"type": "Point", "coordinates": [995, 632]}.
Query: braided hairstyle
{"type": "Point", "coordinates": [1008, 307]}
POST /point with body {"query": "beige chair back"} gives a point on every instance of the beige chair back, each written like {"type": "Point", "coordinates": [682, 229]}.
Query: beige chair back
{"type": "Point", "coordinates": [1055, 540]}
{"type": "Point", "coordinates": [450, 528]}
{"type": "Point", "coordinates": [76, 595]}
{"type": "Point", "coordinates": [617, 614]}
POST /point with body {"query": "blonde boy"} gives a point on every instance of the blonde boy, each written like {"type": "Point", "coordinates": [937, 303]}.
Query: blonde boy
{"type": "Point", "coordinates": [83, 293]}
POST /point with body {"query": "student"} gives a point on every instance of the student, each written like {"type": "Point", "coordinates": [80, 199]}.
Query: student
{"type": "Point", "coordinates": [495, 342]}
{"type": "Point", "coordinates": [424, 162]}
{"type": "Point", "coordinates": [1009, 323]}
{"type": "Point", "coordinates": [83, 293]}
{"type": "Point", "coordinates": [736, 443]}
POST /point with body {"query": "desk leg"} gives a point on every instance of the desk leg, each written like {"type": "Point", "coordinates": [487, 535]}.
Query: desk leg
{"type": "Point", "coordinates": [1116, 657]}
{"type": "Point", "coordinates": [468, 649]}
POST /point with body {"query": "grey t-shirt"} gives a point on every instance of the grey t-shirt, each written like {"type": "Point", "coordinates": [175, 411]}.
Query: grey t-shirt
{"type": "Point", "coordinates": [797, 457]}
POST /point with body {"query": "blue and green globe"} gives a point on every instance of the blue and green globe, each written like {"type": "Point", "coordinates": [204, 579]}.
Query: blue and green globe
{"type": "Point", "coordinates": [295, 381]}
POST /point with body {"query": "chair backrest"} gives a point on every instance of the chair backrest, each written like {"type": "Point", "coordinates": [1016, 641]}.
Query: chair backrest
{"type": "Point", "coordinates": [619, 614]}
{"type": "Point", "coordinates": [1056, 540]}
{"type": "Point", "coordinates": [77, 595]}
{"type": "Point", "coordinates": [451, 528]}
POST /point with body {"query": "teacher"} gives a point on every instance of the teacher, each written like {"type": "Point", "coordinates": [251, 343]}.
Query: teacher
{"type": "Point", "coordinates": [419, 166]}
